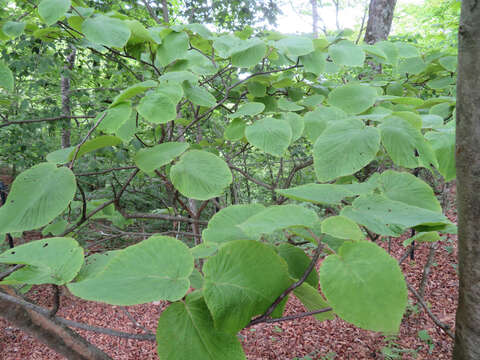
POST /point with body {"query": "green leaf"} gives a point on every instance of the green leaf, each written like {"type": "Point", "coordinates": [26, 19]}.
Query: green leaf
{"type": "Point", "coordinates": [376, 52]}
{"type": "Point", "coordinates": [344, 148]}
{"type": "Point", "coordinates": [157, 108]}
{"type": "Point", "coordinates": [60, 156]}
{"type": "Point", "coordinates": [6, 77]}
{"type": "Point", "coordinates": [431, 236]}
{"type": "Point", "coordinates": [342, 228]}
{"type": "Point", "coordinates": [296, 123]}
{"type": "Point", "coordinates": [294, 46]}
{"type": "Point", "coordinates": [365, 286]}
{"type": "Point", "coordinates": [270, 135]}
{"type": "Point", "coordinates": [204, 250]}
{"type": "Point", "coordinates": [149, 159]}
{"type": "Point", "coordinates": [353, 98]}
{"type": "Point", "coordinates": [297, 262]}
{"type": "Point", "coordinates": [179, 77]}
{"type": "Point", "coordinates": [402, 140]}
{"type": "Point", "coordinates": [390, 50]}
{"type": "Point", "coordinates": [279, 217]}
{"type": "Point", "coordinates": [186, 331]}
{"type": "Point", "coordinates": [257, 89]}
{"type": "Point", "coordinates": [222, 227]}
{"type": "Point", "coordinates": [411, 66]}
{"type": "Point", "coordinates": [317, 193]}
{"type": "Point", "coordinates": [48, 261]}
{"type": "Point", "coordinates": [234, 291]}
{"type": "Point", "coordinates": [105, 30]}
{"type": "Point", "coordinates": [409, 189]}
{"type": "Point", "coordinates": [199, 96]}
{"type": "Point", "coordinates": [133, 90]}
{"type": "Point", "coordinates": [406, 50]}
{"type": "Point", "coordinates": [200, 175]}
{"type": "Point", "coordinates": [53, 10]}
{"type": "Point", "coordinates": [174, 46]}
{"type": "Point", "coordinates": [248, 109]}
{"type": "Point", "coordinates": [449, 63]}
{"type": "Point", "coordinates": [13, 29]}
{"type": "Point", "coordinates": [249, 53]}
{"type": "Point", "coordinates": [196, 279]}
{"type": "Point", "coordinates": [316, 121]}
{"type": "Point", "coordinates": [235, 130]}
{"type": "Point", "coordinates": [286, 105]}
{"type": "Point", "coordinates": [37, 196]}
{"type": "Point", "coordinates": [314, 62]}
{"type": "Point", "coordinates": [95, 144]}
{"type": "Point", "coordinates": [312, 300]}
{"type": "Point", "coordinates": [115, 117]}
{"type": "Point", "coordinates": [158, 269]}
{"type": "Point", "coordinates": [443, 143]}
{"type": "Point", "coordinates": [347, 53]}
{"type": "Point", "coordinates": [430, 121]}
{"type": "Point", "coordinates": [389, 217]}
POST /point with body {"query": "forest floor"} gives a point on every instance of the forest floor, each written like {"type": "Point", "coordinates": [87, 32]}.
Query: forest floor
{"type": "Point", "coordinates": [300, 339]}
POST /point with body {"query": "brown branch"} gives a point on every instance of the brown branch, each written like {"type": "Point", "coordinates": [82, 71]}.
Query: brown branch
{"type": "Point", "coordinates": [292, 287]}
{"type": "Point", "coordinates": [101, 172]}
{"type": "Point", "coordinates": [163, 217]}
{"type": "Point", "coordinates": [56, 118]}
{"type": "Point", "coordinates": [295, 316]}
{"type": "Point", "coordinates": [444, 327]}
{"type": "Point", "coordinates": [252, 179]}
{"type": "Point", "coordinates": [4, 274]}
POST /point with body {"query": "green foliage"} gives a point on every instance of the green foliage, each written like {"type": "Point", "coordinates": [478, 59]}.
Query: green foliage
{"type": "Point", "coordinates": [236, 121]}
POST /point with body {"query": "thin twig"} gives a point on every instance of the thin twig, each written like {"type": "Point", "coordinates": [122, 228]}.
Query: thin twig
{"type": "Point", "coordinates": [441, 325]}
{"type": "Point", "coordinates": [106, 171]}
{"type": "Point", "coordinates": [55, 118]}
{"type": "Point", "coordinates": [4, 274]}
{"type": "Point", "coordinates": [77, 149]}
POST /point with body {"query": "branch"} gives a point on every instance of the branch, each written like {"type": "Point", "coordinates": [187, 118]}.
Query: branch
{"type": "Point", "coordinates": [292, 287]}
{"type": "Point", "coordinates": [295, 316]}
{"type": "Point", "coordinates": [163, 217]}
{"type": "Point", "coordinates": [101, 172]}
{"type": "Point", "coordinates": [252, 179]}
{"type": "Point", "coordinates": [444, 327]}
{"type": "Point", "coordinates": [56, 118]}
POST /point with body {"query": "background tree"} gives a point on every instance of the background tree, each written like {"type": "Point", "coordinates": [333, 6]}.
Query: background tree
{"type": "Point", "coordinates": [380, 16]}
{"type": "Point", "coordinates": [467, 331]}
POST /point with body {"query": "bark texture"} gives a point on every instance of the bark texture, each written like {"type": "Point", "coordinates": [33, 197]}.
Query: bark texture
{"type": "Point", "coordinates": [65, 88]}
{"type": "Point", "coordinates": [53, 334]}
{"type": "Point", "coordinates": [314, 18]}
{"type": "Point", "coordinates": [467, 335]}
{"type": "Point", "coordinates": [380, 16]}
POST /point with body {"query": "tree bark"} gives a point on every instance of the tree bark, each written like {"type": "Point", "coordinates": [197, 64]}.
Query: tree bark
{"type": "Point", "coordinates": [467, 336]}
{"type": "Point", "coordinates": [314, 18]}
{"type": "Point", "coordinates": [65, 89]}
{"type": "Point", "coordinates": [380, 16]}
{"type": "Point", "coordinates": [47, 330]}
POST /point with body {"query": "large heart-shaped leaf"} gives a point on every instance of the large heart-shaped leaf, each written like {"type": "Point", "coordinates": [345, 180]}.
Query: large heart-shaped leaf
{"type": "Point", "coordinates": [316, 121]}
{"type": "Point", "coordinates": [297, 262]}
{"type": "Point", "coordinates": [443, 143]}
{"type": "Point", "coordinates": [155, 269]}
{"type": "Point", "coordinates": [341, 227]}
{"type": "Point", "coordinates": [105, 30]}
{"type": "Point", "coordinates": [347, 53]}
{"type": "Point", "coordinates": [157, 108]}
{"type": "Point", "coordinates": [48, 261]}
{"type": "Point", "coordinates": [53, 10]}
{"type": "Point", "coordinates": [312, 300]}
{"type": "Point", "coordinates": [270, 135]}
{"type": "Point", "coordinates": [317, 193]}
{"type": "Point", "coordinates": [149, 159]}
{"type": "Point", "coordinates": [222, 227]}
{"type": "Point", "coordinates": [294, 46]}
{"type": "Point", "coordinates": [405, 144]}
{"type": "Point", "coordinates": [200, 175]}
{"type": "Point", "coordinates": [95, 144]}
{"type": "Point", "coordinates": [344, 148]}
{"type": "Point", "coordinates": [249, 53]}
{"type": "Point", "coordinates": [37, 196]}
{"type": "Point", "coordinates": [279, 217]}
{"type": "Point", "coordinates": [353, 98]}
{"type": "Point", "coordinates": [234, 291]}
{"type": "Point", "coordinates": [115, 117]}
{"type": "Point", "coordinates": [186, 331]}
{"type": "Point", "coordinates": [174, 46]}
{"type": "Point", "coordinates": [365, 286]}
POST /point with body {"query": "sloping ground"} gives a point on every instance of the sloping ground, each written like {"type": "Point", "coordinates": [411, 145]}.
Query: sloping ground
{"type": "Point", "coordinates": [298, 338]}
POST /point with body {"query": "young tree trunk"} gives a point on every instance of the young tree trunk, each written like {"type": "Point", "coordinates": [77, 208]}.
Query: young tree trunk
{"type": "Point", "coordinates": [380, 16]}
{"type": "Point", "coordinates": [314, 18]}
{"type": "Point", "coordinates": [467, 335]}
{"type": "Point", "coordinates": [65, 89]}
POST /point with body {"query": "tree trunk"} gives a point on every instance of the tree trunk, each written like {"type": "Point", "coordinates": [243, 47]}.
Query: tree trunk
{"type": "Point", "coordinates": [314, 18]}
{"type": "Point", "coordinates": [467, 335]}
{"type": "Point", "coordinates": [165, 11]}
{"type": "Point", "coordinates": [380, 16]}
{"type": "Point", "coordinates": [65, 89]}
{"type": "Point", "coordinates": [53, 334]}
